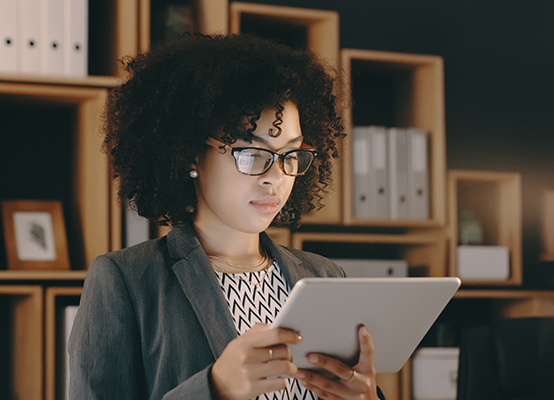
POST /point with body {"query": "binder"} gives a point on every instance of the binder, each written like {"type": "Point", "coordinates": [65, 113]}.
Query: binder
{"type": "Point", "coordinates": [54, 31]}
{"type": "Point", "coordinates": [397, 143]}
{"type": "Point", "coordinates": [9, 36]}
{"type": "Point", "coordinates": [378, 185]}
{"type": "Point", "coordinates": [69, 315]}
{"type": "Point", "coordinates": [360, 159]}
{"type": "Point", "coordinates": [76, 37]}
{"type": "Point", "coordinates": [418, 181]}
{"type": "Point", "coordinates": [137, 228]}
{"type": "Point", "coordinates": [30, 45]}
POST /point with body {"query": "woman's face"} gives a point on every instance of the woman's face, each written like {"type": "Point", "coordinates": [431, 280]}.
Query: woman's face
{"type": "Point", "coordinates": [229, 201]}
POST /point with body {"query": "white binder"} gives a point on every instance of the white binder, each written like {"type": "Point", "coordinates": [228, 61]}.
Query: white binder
{"type": "Point", "coordinates": [76, 37]}
{"type": "Point", "coordinates": [378, 185]}
{"type": "Point", "coordinates": [397, 142]}
{"type": "Point", "coordinates": [54, 45]}
{"type": "Point", "coordinates": [418, 185]}
{"type": "Point", "coordinates": [9, 36]}
{"type": "Point", "coordinates": [360, 159]}
{"type": "Point", "coordinates": [30, 14]}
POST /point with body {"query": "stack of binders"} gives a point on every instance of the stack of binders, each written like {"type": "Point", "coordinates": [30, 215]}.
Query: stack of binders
{"type": "Point", "coordinates": [390, 173]}
{"type": "Point", "coordinates": [47, 37]}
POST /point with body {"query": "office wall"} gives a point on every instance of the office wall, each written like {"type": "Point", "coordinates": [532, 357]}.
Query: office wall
{"type": "Point", "coordinates": [499, 79]}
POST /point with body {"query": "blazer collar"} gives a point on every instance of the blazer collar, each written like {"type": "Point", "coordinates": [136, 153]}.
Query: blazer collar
{"type": "Point", "coordinates": [195, 275]}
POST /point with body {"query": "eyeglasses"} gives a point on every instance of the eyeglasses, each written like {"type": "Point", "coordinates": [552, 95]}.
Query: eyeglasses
{"type": "Point", "coordinates": [256, 161]}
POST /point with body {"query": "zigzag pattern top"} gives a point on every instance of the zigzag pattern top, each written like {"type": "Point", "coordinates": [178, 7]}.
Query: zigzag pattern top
{"type": "Point", "coordinates": [258, 297]}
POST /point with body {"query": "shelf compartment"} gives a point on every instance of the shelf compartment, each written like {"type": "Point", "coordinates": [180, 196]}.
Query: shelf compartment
{"type": "Point", "coordinates": [21, 348]}
{"type": "Point", "coordinates": [59, 128]}
{"type": "Point", "coordinates": [396, 90]}
{"type": "Point", "coordinates": [425, 252]}
{"type": "Point", "coordinates": [495, 199]}
{"type": "Point", "coordinates": [56, 299]}
{"type": "Point", "coordinates": [207, 16]}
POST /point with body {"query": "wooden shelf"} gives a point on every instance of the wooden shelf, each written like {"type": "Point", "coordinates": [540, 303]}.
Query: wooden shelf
{"type": "Point", "coordinates": [410, 87]}
{"type": "Point", "coordinates": [89, 81]}
{"type": "Point", "coordinates": [14, 275]}
{"type": "Point", "coordinates": [425, 252]}
{"type": "Point", "coordinates": [495, 199]}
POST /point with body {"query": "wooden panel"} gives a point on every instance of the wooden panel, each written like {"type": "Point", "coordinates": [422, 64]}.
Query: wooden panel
{"type": "Point", "coordinates": [52, 369]}
{"type": "Point", "coordinates": [23, 346]}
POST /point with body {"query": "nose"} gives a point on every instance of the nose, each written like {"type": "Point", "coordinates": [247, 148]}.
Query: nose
{"type": "Point", "coordinates": [274, 176]}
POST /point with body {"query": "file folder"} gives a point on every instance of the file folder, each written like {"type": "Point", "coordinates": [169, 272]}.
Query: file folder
{"type": "Point", "coordinates": [378, 185]}
{"type": "Point", "coordinates": [29, 19]}
{"type": "Point", "coordinates": [76, 37]}
{"type": "Point", "coordinates": [9, 37]}
{"type": "Point", "coordinates": [397, 143]}
{"type": "Point", "coordinates": [54, 45]}
{"type": "Point", "coordinates": [360, 158]}
{"type": "Point", "coordinates": [418, 185]}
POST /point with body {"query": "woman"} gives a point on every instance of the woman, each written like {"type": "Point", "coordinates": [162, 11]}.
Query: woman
{"type": "Point", "coordinates": [221, 137]}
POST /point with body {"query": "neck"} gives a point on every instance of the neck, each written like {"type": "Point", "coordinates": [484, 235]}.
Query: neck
{"type": "Point", "coordinates": [238, 248]}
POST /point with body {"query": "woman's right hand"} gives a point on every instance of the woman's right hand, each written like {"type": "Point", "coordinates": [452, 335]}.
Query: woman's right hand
{"type": "Point", "coordinates": [241, 372]}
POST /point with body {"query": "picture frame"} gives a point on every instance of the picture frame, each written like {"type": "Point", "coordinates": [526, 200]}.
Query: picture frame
{"type": "Point", "coordinates": [35, 235]}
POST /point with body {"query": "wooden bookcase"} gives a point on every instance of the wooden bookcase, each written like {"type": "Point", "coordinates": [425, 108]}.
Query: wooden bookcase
{"type": "Point", "coordinates": [68, 111]}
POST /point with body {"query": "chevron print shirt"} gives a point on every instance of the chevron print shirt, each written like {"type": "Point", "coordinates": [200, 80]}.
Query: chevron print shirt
{"type": "Point", "coordinates": [257, 297]}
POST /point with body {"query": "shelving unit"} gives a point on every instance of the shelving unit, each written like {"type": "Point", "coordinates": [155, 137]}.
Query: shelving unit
{"type": "Point", "coordinates": [495, 199]}
{"type": "Point", "coordinates": [57, 121]}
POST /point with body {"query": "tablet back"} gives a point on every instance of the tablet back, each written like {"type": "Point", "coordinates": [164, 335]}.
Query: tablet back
{"type": "Point", "coordinates": [396, 311]}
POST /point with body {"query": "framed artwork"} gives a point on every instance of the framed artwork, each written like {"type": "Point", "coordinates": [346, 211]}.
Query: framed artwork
{"type": "Point", "coordinates": [34, 233]}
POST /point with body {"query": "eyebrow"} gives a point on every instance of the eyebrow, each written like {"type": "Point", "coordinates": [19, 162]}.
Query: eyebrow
{"type": "Point", "coordinates": [264, 140]}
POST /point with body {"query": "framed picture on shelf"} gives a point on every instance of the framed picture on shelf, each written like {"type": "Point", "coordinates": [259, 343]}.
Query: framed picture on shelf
{"type": "Point", "coordinates": [34, 234]}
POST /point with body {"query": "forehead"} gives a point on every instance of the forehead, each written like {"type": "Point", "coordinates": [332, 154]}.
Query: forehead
{"type": "Point", "coordinates": [278, 128]}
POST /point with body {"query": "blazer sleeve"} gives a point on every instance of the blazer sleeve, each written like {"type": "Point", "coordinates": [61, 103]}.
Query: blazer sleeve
{"type": "Point", "coordinates": [104, 345]}
{"type": "Point", "coordinates": [106, 361]}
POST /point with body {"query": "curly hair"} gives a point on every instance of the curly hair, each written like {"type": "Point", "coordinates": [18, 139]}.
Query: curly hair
{"type": "Point", "coordinates": [176, 97]}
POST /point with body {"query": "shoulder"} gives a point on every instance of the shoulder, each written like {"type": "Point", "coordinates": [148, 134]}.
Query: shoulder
{"type": "Point", "coordinates": [134, 260]}
{"type": "Point", "coordinates": [315, 263]}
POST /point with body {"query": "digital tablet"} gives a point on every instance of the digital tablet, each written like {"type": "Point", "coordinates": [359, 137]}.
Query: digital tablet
{"type": "Point", "coordinates": [398, 312]}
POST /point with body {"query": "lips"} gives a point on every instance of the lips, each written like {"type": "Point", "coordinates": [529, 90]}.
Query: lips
{"type": "Point", "coordinates": [267, 204]}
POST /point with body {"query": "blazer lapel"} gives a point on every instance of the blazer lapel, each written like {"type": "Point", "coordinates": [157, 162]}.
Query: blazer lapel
{"type": "Point", "coordinates": [200, 285]}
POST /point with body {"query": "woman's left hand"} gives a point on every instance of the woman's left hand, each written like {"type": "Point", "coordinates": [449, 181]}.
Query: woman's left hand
{"type": "Point", "coordinates": [354, 383]}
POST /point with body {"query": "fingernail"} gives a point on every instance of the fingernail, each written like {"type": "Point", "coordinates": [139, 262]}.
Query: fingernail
{"type": "Point", "coordinates": [312, 358]}
{"type": "Point", "coordinates": [300, 338]}
{"type": "Point", "coordinates": [365, 332]}
{"type": "Point", "coordinates": [300, 374]}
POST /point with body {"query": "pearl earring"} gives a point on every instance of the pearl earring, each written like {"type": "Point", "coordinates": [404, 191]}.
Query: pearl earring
{"type": "Point", "coordinates": [194, 174]}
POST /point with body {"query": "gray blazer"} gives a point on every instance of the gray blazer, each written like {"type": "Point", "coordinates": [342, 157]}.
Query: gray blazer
{"type": "Point", "coordinates": [153, 319]}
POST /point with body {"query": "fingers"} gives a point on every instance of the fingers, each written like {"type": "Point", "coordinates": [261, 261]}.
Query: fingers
{"type": "Point", "coordinates": [262, 335]}
{"type": "Point", "coordinates": [365, 361]}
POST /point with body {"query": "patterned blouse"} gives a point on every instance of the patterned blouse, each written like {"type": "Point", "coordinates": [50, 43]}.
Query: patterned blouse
{"type": "Point", "coordinates": [258, 297]}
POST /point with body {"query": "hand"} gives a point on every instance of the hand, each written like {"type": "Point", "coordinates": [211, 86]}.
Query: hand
{"type": "Point", "coordinates": [241, 372]}
{"type": "Point", "coordinates": [354, 383]}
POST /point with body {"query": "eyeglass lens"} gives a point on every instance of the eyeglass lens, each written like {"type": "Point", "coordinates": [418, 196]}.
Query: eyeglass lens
{"type": "Point", "coordinates": [258, 161]}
